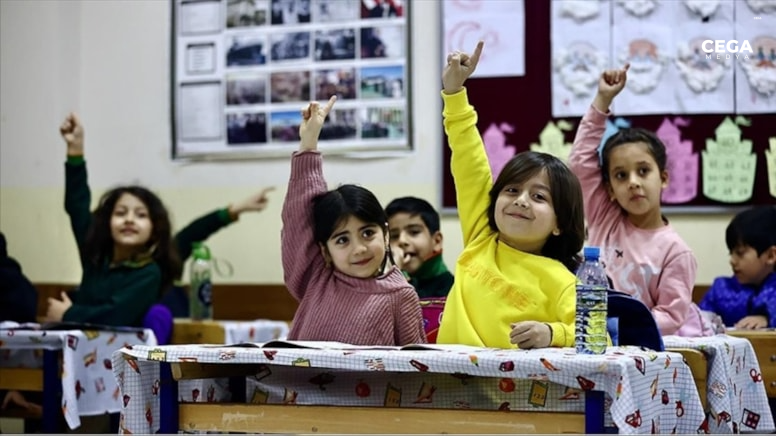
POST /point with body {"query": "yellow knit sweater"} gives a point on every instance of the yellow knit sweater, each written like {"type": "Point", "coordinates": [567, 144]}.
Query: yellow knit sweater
{"type": "Point", "coordinates": [495, 285]}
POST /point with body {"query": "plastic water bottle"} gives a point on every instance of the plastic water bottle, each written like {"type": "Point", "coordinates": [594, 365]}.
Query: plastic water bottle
{"type": "Point", "coordinates": [592, 285]}
{"type": "Point", "coordinates": [200, 283]}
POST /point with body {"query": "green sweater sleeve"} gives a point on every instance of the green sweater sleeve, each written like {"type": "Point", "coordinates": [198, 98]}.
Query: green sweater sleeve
{"type": "Point", "coordinates": [200, 229]}
{"type": "Point", "coordinates": [122, 299]}
{"type": "Point", "coordinates": [78, 199]}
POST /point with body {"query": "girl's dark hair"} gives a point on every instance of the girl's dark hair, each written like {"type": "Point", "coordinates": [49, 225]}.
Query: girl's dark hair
{"type": "Point", "coordinates": [755, 227]}
{"type": "Point", "coordinates": [626, 136]}
{"type": "Point", "coordinates": [98, 246]}
{"type": "Point", "coordinates": [331, 208]}
{"type": "Point", "coordinates": [566, 195]}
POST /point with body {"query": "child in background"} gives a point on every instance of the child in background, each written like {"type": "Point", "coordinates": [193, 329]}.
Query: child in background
{"type": "Point", "coordinates": [748, 299]}
{"type": "Point", "coordinates": [643, 254]}
{"type": "Point", "coordinates": [336, 256]}
{"type": "Point", "coordinates": [415, 237]}
{"type": "Point", "coordinates": [126, 248]}
{"type": "Point", "coordinates": [18, 303]}
{"type": "Point", "coordinates": [199, 230]}
{"type": "Point", "coordinates": [513, 281]}
{"type": "Point", "coordinates": [18, 296]}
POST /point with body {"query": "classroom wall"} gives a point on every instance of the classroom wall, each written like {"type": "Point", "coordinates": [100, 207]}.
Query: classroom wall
{"type": "Point", "coordinates": [109, 61]}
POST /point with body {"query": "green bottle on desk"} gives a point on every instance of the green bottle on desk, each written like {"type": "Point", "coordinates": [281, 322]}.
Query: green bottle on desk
{"type": "Point", "coordinates": [200, 284]}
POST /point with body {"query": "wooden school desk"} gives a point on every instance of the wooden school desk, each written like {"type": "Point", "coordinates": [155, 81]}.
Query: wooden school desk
{"type": "Point", "coordinates": [451, 389]}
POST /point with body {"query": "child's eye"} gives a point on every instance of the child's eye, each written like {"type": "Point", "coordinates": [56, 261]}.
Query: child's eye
{"type": "Point", "coordinates": [394, 237]}
{"type": "Point", "coordinates": [368, 233]}
{"type": "Point", "coordinates": [539, 197]}
{"type": "Point", "coordinates": [414, 232]}
{"type": "Point", "coordinates": [643, 171]}
{"type": "Point", "coordinates": [341, 240]}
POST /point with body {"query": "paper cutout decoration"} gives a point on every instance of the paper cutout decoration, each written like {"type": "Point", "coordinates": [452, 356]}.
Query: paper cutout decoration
{"type": "Point", "coordinates": [682, 163]}
{"type": "Point", "coordinates": [770, 158]}
{"type": "Point", "coordinates": [612, 127]}
{"type": "Point", "coordinates": [762, 6]}
{"type": "Point", "coordinates": [760, 66]}
{"type": "Point", "coordinates": [639, 8]}
{"type": "Point", "coordinates": [700, 73]}
{"type": "Point", "coordinates": [496, 147]}
{"type": "Point", "coordinates": [729, 164]}
{"type": "Point", "coordinates": [552, 140]}
{"type": "Point", "coordinates": [647, 65]}
{"type": "Point", "coordinates": [579, 67]}
{"type": "Point", "coordinates": [579, 10]}
{"type": "Point", "coordinates": [704, 8]}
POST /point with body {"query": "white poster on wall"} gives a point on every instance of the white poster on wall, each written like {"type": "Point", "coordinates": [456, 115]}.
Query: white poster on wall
{"type": "Point", "coordinates": [755, 69]}
{"type": "Point", "coordinates": [580, 41]}
{"type": "Point", "coordinates": [501, 24]}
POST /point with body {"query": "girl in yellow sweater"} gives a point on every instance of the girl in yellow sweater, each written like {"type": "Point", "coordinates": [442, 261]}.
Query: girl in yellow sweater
{"type": "Point", "coordinates": [514, 284]}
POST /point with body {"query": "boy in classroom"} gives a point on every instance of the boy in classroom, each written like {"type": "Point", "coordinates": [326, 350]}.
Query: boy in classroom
{"type": "Point", "coordinates": [416, 238]}
{"type": "Point", "coordinates": [747, 300]}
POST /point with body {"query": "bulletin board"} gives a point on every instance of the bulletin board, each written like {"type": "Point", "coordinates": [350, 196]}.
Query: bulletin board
{"type": "Point", "coordinates": [525, 105]}
{"type": "Point", "coordinates": [243, 69]}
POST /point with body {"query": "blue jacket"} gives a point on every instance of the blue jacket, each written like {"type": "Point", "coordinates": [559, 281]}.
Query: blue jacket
{"type": "Point", "coordinates": [733, 301]}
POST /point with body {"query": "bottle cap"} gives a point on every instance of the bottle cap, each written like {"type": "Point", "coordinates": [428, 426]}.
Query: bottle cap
{"type": "Point", "coordinates": [591, 253]}
{"type": "Point", "coordinates": [200, 251]}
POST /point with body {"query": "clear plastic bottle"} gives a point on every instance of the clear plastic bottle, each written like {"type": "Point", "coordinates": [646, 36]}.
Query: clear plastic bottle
{"type": "Point", "coordinates": [592, 285]}
{"type": "Point", "coordinates": [200, 274]}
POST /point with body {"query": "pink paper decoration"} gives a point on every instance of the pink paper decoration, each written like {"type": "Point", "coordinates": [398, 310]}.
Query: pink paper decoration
{"type": "Point", "coordinates": [496, 147]}
{"type": "Point", "coordinates": [682, 164]}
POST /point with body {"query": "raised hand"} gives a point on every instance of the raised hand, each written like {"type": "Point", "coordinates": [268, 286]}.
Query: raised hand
{"type": "Point", "coordinates": [73, 133]}
{"type": "Point", "coordinates": [256, 202]}
{"type": "Point", "coordinates": [460, 66]}
{"type": "Point", "coordinates": [313, 117]}
{"type": "Point", "coordinates": [609, 85]}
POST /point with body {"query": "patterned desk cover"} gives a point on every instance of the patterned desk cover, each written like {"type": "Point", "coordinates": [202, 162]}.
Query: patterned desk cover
{"type": "Point", "coordinates": [646, 391]}
{"type": "Point", "coordinates": [88, 386]}
{"type": "Point", "coordinates": [736, 398]}
{"type": "Point", "coordinates": [235, 332]}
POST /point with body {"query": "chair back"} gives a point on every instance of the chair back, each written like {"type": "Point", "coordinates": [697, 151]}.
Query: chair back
{"type": "Point", "coordinates": [634, 323]}
{"type": "Point", "coordinates": [159, 320]}
{"type": "Point", "coordinates": [432, 309]}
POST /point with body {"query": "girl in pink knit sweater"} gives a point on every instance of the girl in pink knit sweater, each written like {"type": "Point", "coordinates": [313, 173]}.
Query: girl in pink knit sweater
{"type": "Point", "coordinates": [336, 256]}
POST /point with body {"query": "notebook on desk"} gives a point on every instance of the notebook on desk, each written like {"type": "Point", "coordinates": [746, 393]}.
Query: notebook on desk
{"type": "Point", "coordinates": [332, 345]}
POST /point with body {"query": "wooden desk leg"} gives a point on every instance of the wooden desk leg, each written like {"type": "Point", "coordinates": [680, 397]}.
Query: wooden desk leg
{"type": "Point", "coordinates": [52, 392]}
{"type": "Point", "coordinates": [168, 400]}
{"type": "Point", "coordinates": [594, 412]}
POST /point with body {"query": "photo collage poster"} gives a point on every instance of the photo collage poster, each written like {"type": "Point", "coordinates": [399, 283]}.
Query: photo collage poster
{"type": "Point", "coordinates": [244, 69]}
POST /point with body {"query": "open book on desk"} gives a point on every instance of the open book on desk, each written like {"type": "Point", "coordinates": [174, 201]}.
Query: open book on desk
{"type": "Point", "coordinates": [330, 345]}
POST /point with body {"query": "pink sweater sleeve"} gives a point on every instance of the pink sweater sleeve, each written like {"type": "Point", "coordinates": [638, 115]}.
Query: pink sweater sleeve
{"type": "Point", "coordinates": [673, 293]}
{"type": "Point", "coordinates": [301, 256]}
{"type": "Point", "coordinates": [584, 162]}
